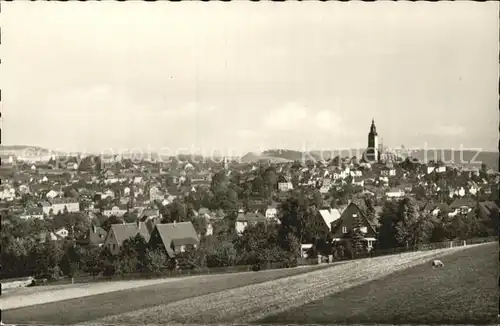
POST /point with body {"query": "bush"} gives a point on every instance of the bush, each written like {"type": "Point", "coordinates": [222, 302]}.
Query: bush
{"type": "Point", "coordinates": [256, 267]}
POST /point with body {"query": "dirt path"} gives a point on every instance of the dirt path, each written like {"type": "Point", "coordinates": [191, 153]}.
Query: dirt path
{"type": "Point", "coordinates": [70, 291]}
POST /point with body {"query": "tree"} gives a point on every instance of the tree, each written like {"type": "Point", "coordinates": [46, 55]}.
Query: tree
{"type": "Point", "coordinates": [176, 211]}
{"type": "Point", "coordinates": [412, 227]}
{"type": "Point", "coordinates": [224, 255]}
{"type": "Point", "coordinates": [106, 225]}
{"type": "Point", "coordinates": [130, 217]}
{"type": "Point", "coordinates": [91, 262]}
{"type": "Point", "coordinates": [156, 260]}
{"type": "Point", "coordinates": [258, 244]}
{"type": "Point", "coordinates": [299, 217]}
{"type": "Point", "coordinates": [483, 172]}
{"type": "Point", "coordinates": [132, 256]}
{"type": "Point", "coordinates": [356, 236]}
{"type": "Point", "coordinates": [43, 258]}
{"type": "Point", "coordinates": [386, 236]}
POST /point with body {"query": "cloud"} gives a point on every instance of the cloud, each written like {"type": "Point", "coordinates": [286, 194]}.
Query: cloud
{"type": "Point", "coordinates": [295, 117]}
{"type": "Point", "coordinates": [447, 130]}
{"type": "Point", "coordinates": [288, 117]}
{"type": "Point", "coordinates": [327, 121]}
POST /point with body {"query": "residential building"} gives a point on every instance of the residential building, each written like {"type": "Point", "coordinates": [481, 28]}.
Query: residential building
{"type": "Point", "coordinates": [121, 232]}
{"type": "Point", "coordinates": [461, 205]}
{"type": "Point", "coordinates": [58, 205]}
{"type": "Point", "coordinates": [272, 211]}
{"type": "Point", "coordinates": [345, 224]}
{"type": "Point", "coordinates": [174, 238]}
{"type": "Point", "coordinates": [62, 233]}
{"type": "Point", "coordinates": [95, 236]}
{"type": "Point", "coordinates": [329, 216]}
{"type": "Point", "coordinates": [117, 211]}
{"type": "Point", "coordinates": [285, 186]}
{"type": "Point", "coordinates": [243, 220]}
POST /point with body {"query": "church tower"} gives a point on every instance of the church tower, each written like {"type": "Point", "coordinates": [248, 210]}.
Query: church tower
{"type": "Point", "coordinates": [373, 146]}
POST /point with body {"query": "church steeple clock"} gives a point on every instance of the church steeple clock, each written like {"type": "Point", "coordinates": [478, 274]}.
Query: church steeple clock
{"type": "Point", "coordinates": [372, 151]}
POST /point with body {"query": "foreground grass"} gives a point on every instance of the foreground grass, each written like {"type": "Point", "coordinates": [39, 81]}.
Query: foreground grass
{"type": "Point", "coordinates": [254, 302]}
{"type": "Point", "coordinates": [97, 306]}
{"type": "Point", "coordinates": [463, 292]}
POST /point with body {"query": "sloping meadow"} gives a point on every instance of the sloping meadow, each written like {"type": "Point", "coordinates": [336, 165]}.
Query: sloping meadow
{"type": "Point", "coordinates": [254, 302]}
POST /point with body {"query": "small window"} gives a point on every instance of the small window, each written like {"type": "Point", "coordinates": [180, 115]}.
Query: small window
{"type": "Point", "coordinates": [344, 229]}
{"type": "Point", "coordinates": [364, 229]}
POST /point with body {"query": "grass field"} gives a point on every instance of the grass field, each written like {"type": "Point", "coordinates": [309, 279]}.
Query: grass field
{"type": "Point", "coordinates": [396, 288]}
{"type": "Point", "coordinates": [91, 307]}
{"type": "Point", "coordinates": [253, 302]}
{"type": "Point", "coordinates": [463, 292]}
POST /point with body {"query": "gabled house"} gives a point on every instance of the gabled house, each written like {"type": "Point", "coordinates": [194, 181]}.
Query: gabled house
{"type": "Point", "coordinates": [461, 205]}
{"type": "Point", "coordinates": [488, 210]}
{"type": "Point", "coordinates": [346, 223]}
{"type": "Point", "coordinates": [95, 236]}
{"type": "Point", "coordinates": [272, 211]}
{"type": "Point", "coordinates": [174, 238]}
{"type": "Point", "coordinates": [329, 216]}
{"type": "Point", "coordinates": [61, 233]}
{"type": "Point", "coordinates": [121, 232]}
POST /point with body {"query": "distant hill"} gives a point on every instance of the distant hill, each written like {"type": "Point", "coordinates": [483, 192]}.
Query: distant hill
{"type": "Point", "coordinates": [22, 151]}
{"type": "Point", "coordinates": [284, 155]}
{"type": "Point", "coordinates": [465, 158]}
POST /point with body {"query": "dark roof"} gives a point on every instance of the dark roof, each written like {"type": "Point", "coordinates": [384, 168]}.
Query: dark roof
{"type": "Point", "coordinates": [488, 207]}
{"type": "Point", "coordinates": [185, 241]}
{"type": "Point", "coordinates": [175, 231]}
{"type": "Point", "coordinates": [459, 202]}
{"type": "Point", "coordinates": [97, 235]}
{"type": "Point", "coordinates": [126, 231]}
{"type": "Point", "coordinates": [338, 222]}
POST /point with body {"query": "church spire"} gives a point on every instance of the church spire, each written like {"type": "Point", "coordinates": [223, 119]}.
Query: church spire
{"type": "Point", "coordinates": [373, 129]}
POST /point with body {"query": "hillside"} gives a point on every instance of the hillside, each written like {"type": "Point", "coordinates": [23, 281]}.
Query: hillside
{"type": "Point", "coordinates": [23, 151]}
{"type": "Point", "coordinates": [458, 157]}
{"type": "Point", "coordinates": [463, 292]}
{"type": "Point", "coordinates": [462, 158]}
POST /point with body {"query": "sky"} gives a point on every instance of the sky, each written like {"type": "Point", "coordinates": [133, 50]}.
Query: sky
{"type": "Point", "coordinates": [246, 76]}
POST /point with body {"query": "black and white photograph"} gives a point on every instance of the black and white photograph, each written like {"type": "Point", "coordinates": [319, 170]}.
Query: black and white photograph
{"type": "Point", "coordinates": [249, 163]}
